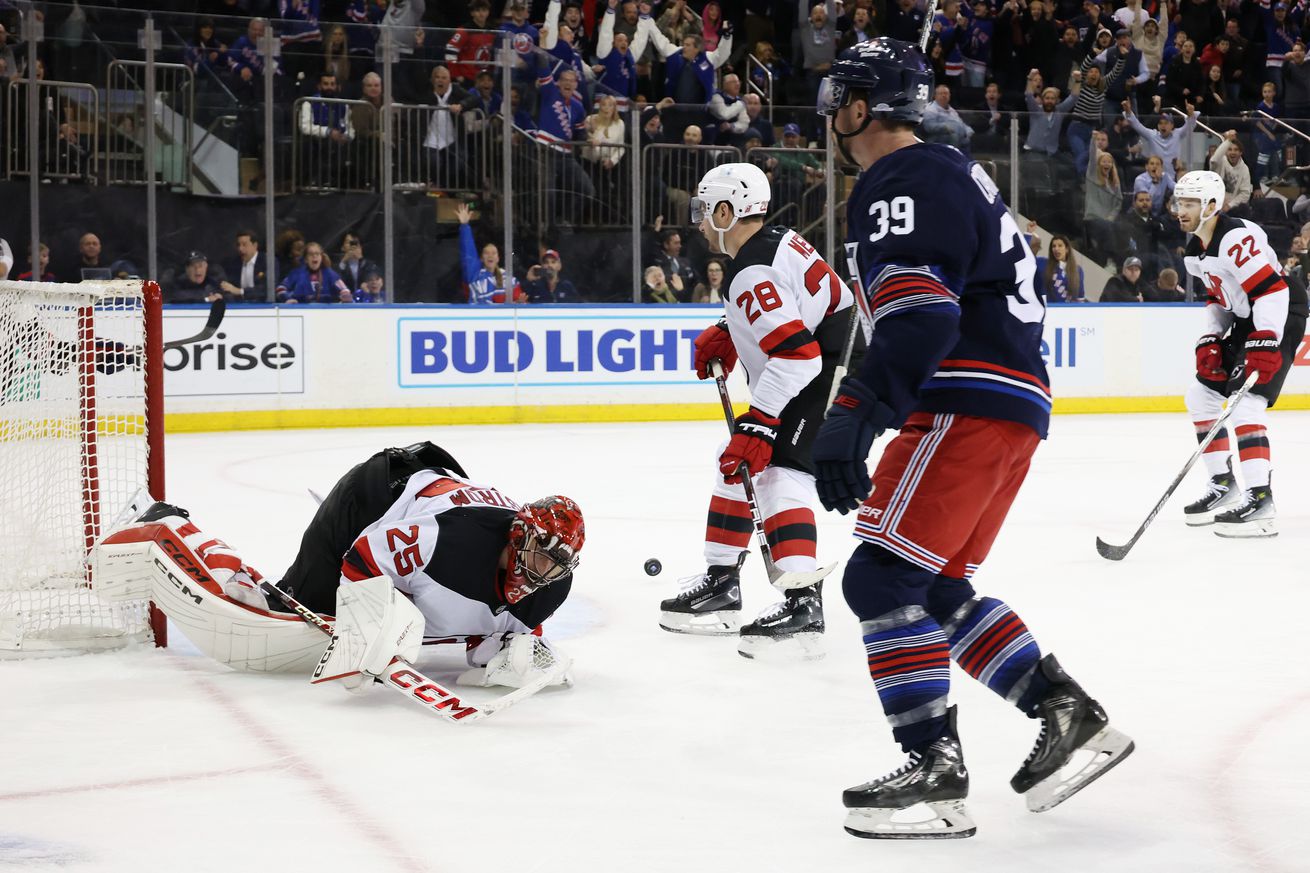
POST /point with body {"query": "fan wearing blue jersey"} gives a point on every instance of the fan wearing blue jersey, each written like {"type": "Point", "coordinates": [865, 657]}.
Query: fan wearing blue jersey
{"type": "Point", "coordinates": [954, 364]}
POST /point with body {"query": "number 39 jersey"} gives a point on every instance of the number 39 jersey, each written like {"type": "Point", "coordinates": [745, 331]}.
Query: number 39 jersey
{"type": "Point", "coordinates": [440, 542]}
{"type": "Point", "coordinates": [779, 291]}
{"type": "Point", "coordinates": [1243, 278]}
{"type": "Point", "coordinates": [948, 281]}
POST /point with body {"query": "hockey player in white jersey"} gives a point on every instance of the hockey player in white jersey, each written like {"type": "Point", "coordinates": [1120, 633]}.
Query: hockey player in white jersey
{"type": "Point", "coordinates": [787, 317]}
{"type": "Point", "coordinates": [473, 566]}
{"type": "Point", "coordinates": [1255, 317]}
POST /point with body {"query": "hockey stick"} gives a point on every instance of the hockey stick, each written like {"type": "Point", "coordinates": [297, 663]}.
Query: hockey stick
{"type": "Point", "coordinates": [839, 372]}
{"type": "Point", "coordinates": [781, 580]}
{"type": "Point", "coordinates": [216, 311]}
{"type": "Point", "coordinates": [929, 14]}
{"type": "Point", "coordinates": [404, 678]}
{"type": "Point", "coordinates": [1117, 553]}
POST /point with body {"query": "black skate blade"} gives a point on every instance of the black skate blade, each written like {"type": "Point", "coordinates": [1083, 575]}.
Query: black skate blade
{"type": "Point", "coordinates": [953, 835]}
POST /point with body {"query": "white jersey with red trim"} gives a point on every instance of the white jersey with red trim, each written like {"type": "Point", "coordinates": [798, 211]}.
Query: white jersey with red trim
{"type": "Point", "coordinates": [441, 543]}
{"type": "Point", "coordinates": [779, 289]}
{"type": "Point", "coordinates": [1242, 276]}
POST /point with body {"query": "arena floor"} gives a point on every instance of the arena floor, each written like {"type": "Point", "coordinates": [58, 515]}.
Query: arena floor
{"type": "Point", "coordinates": [671, 752]}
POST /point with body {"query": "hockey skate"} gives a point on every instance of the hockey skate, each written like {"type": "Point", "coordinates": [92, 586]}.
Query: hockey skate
{"type": "Point", "coordinates": [791, 627]}
{"type": "Point", "coordinates": [1075, 737]}
{"type": "Point", "coordinates": [1220, 494]}
{"type": "Point", "coordinates": [708, 604]}
{"type": "Point", "coordinates": [935, 779]}
{"type": "Point", "coordinates": [1253, 517]}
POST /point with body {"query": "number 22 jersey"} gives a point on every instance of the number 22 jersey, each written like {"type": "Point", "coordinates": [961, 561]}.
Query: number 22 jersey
{"type": "Point", "coordinates": [947, 279]}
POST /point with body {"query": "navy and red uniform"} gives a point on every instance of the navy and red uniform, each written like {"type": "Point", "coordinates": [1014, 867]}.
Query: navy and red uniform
{"type": "Point", "coordinates": [955, 364]}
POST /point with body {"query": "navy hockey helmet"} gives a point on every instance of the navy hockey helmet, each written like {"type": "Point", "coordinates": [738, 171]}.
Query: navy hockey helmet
{"type": "Point", "coordinates": [888, 74]}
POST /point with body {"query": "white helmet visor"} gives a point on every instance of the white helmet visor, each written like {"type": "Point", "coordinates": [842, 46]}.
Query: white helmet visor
{"type": "Point", "coordinates": [699, 209]}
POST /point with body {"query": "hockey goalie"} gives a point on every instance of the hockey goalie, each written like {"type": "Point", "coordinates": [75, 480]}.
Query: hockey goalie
{"type": "Point", "coordinates": [405, 550]}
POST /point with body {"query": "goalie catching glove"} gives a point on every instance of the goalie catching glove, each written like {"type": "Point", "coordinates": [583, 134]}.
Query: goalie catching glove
{"type": "Point", "coordinates": [520, 660]}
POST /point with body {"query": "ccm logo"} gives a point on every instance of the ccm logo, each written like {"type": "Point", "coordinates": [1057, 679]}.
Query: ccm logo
{"type": "Point", "coordinates": [178, 583]}
{"type": "Point", "coordinates": [430, 694]}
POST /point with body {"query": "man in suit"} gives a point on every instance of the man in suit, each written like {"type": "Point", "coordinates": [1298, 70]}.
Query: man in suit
{"type": "Point", "coordinates": [248, 272]}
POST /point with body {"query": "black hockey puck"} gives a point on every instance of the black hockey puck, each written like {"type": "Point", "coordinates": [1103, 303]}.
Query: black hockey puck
{"type": "Point", "coordinates": [653, 566]}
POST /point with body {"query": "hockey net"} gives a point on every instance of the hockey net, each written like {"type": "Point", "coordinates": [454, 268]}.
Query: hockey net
{"type": "Point", "coordinates": [81, 434]}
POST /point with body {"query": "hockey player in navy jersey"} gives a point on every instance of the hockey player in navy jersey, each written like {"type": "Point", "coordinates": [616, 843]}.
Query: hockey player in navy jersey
{"type": "Point", "coordinates": [1254, 320]}
{"type": "Point", "coordinates": [787, 317]}
{"type": "Point", "coordinates": [954, 365]}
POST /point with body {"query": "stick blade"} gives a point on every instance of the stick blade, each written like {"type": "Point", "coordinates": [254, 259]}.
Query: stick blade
{"type": "Point", "coordinates": [789, 581]}
{"type": "Point", "coordinates": [1111, 553]}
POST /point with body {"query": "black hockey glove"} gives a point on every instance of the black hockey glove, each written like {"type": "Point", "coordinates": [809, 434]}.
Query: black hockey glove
{"type": "Point", "coordinates": [842, 446]}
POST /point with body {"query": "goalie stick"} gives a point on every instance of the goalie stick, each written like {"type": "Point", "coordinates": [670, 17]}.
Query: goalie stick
{"type": "Point", "coordinates": [216, 311]}
{"type": "Point", "coordinates": [1118, 553]}
{"type": "Point", "coordinates": [781, 580]}
{"type": "Point", "coordinates": [434, 697]}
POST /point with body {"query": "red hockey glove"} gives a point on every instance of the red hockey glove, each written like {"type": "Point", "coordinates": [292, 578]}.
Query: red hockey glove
{"type": "Point", "coordinates": [715, 342]}
{"type": "Point", "coordinates": [1263, 355]}
{"type": "Point", "coordinates": [751, 443]}
{"type": "Point", "coordinates": [1210, 359]}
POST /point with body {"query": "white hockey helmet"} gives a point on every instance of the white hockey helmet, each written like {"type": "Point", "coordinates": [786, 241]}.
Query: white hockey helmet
{"type": "Point", "coordinates": [1202, 185]}
{"type": "Point", "coordinates": [743, 186]}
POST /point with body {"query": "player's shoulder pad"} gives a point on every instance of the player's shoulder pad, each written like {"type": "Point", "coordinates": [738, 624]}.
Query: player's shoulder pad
{"type": "Point", "coordinates": [1229, 231]}
{"type": "Point", "coordinates": [928, 172]}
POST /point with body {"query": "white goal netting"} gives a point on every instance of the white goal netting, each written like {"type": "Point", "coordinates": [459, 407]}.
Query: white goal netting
{"type": "Point", "coordinates": [74, 450]}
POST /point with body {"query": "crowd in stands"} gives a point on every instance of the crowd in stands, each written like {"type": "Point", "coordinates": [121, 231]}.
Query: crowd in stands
{"type": "Point", "coordinates": [1108, 97]}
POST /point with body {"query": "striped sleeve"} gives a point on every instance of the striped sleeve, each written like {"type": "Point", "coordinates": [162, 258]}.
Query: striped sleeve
{"type": "Point", "coordinates": [896, 289]}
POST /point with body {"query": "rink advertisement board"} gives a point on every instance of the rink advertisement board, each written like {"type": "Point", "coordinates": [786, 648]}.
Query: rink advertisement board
{"type": "Point", "coordinates": [317, 366]}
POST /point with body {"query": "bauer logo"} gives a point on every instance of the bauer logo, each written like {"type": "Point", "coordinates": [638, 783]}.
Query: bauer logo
{"type": "Point", "coordinates": [564, 350]}
{"type": "Point", "coordinates": [250, 353]}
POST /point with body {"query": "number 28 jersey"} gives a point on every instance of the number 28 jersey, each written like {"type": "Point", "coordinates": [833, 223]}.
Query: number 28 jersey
{"type": "Point", "coordinates": [947, 279]}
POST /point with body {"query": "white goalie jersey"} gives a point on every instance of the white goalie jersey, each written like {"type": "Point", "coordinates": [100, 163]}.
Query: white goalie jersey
{"type": "Point", "coordinates": [779, 290]}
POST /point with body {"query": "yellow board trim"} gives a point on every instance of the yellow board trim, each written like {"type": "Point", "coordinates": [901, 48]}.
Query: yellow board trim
{"type": "Point", "coordinates": [276, 419]}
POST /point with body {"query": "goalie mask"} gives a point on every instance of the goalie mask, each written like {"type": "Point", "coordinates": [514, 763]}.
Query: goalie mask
{"type": "Point", "coordinates": [545, 539]}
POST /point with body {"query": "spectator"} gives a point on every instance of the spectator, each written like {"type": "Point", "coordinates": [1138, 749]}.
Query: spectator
{"type": "Point", "coordinates": [486, 281]}
{"type": "Point", "coordinates": [1124, 143]}
{"type": "Point", "coordinates": [1092, 20]}
{"type": "Point", "coordinates": [562, 119]}
{"type": "Point", "coordinates": [729, 110]}
{"type": "Point", "coordinates": [1149, 37]}
{"type": "Point", "coordinates": [1135, 71]}
{"type": "Point", "coordinates": [674, 265]}
{"type": "Point", "coordinates": [1103, 198]}
{"type": "Point", "coordinates": [1172, 49]}
{"type": "Point", "coordinates": [1280, 35]}
{"type": "Point", "coordinates": [905, 21]}
{"type": "Point", "coordinates": [1268, 141]}
{"type": "Point", "coordinates": [471, 50]}
{"type": "Point", "coordinates": [992, 123]}
{"type": "Point", "coordinates": [195, 285]}
{"type": "Point", "coordinates": [290, 248]}
{"type": "Point", "coordinates": [1144, 233]}
{"type": "Point", "coordinates": [1164, 142]}
{"type": "Point", "coordinates": [817, 31]}
{"type": "Point", "coordinates": [1201, 19]}
{"type": "Point", "coordinates": [941, 123]}
{"type": "Point", "coordinates": [249, 268]}
{"type": "Point", "coordinates": [617, 53]}
{"type": "Point", "coordinates": [441, 144]}
{"type": "Point", "coordinates": [1131, 15]}
{"type": "Point", "coordinates": [1239, 53]}
{"type": "Point", "coordinates": [1069, 53]}
{"type": "Point", "coordinates": [46, 275]}
{"type": "Point", "coordinates": [762, 125]}
{"type": "Point", "coordinates": [1227, 162]}
{"type": "Point", "coordinates": [770, 63]}
{"type": "Point", "coordinates": [689, 71]}
{"type": "Point", "coordinates": [679, 21]}
{"type": "Point", "coordinates": [92, 263]}
{"type": "Point", "coordinates": [1048, 116]}
{"type": "Point", "coordinates": [9, 66]}
{"type": "Point", "coordinates": [336, 54]}
{"type": "Point", "coordinates": [70, 159]}
{"type": "Point", "coordinates": [656, 289]}
{"type": "Point", "coordinates": [629, 24]}
{"type": "Point", "coordinates": [1157, 183]}
{"type": "Point", "coordinates": [1089, 90]}
{"type": "Point", "coordinates": [795, 171]}
{"type": "Point", "coordinates": [1213, 99]}
{"type": "Point", "coordinates": [545, 283]}
{"type": "Point", "coordinates": [1127, 285]}
{"type": "Point", "coordinates": [314, 281]}
{"type": "Point", "coordinates": [205, 52]}
{"type": "Point", "coordinates": [1165, 288]}
{"type": "Point", "coordinates": [364, 17]}
{"type": "Point", "coordinates": [1058, 275]}
{"type": "Point", "coordinates": [1296, 83]}
{"type": "Point", "coordinates": [328, 133]}
{"type": "Point", "coordinates": [861, 29]}
{"type": "Point", "coordinates": [1184, 78]}
{"type": "Point", "coordinates": [713, 289]}
{"type": "Point", "coordinates": [557, 40]}
{"type": "Point", "coordinates": [353, 265]}
{"type": "Point", "coordinates": [522, 118]}
{"type": "Point", "coordinates": [371, 287]}
{"type": "Point", "coordinates": [524, 38]}
{"type": "Point", "coordinates": [682, 172]}
{"type": "Point", "coordinates": [712, 23]}
{"type": "Point", "coordinates": [246, 58]}
{"type": "Point", "coordinates": [366, 116]}
{"type": "Point", "coordinates": [1037, 48]}
{"type": "Point", "coordinates": [605, 149]}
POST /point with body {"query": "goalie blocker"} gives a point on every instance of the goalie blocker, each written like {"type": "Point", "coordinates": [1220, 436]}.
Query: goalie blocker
{"type": "Point", "coordinates": [443, 558]}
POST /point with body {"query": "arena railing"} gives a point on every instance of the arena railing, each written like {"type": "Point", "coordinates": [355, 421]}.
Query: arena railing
{"type": "Point", "coordinates": [335, 145]}
{"type": "Point", "coordinates": [68, 148]}
{"type": "Point", "coordinates": [126, 115]}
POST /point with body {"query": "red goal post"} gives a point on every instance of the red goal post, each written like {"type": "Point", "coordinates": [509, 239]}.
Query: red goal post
{"type": "Point", "coordinates": [81, 436]}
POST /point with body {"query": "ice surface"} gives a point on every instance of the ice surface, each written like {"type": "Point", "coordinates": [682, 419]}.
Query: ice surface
{"type": "Point", "coordinates": [671, 752]}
